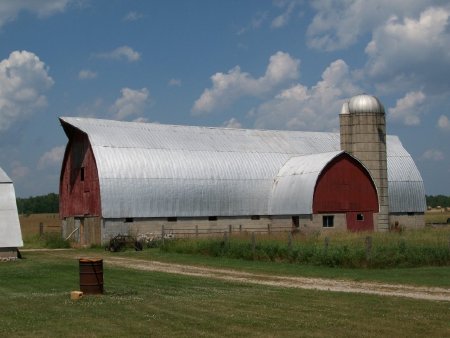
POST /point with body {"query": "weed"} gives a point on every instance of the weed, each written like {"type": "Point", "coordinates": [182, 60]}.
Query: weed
{"type": "Point", "coordinates": [409, 248]}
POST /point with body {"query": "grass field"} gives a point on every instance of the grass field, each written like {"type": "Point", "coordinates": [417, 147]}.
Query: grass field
{"type": "Point", "coordinates": [437, 216]}
{"type": "Point", "coordinates": [35, 302]}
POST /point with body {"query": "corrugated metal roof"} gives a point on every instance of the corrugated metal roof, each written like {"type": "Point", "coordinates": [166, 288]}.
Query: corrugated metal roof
{"type": "Point", "coordinates": [10, 234]}
{"type": "Point", "coordinates": [156, 170]}
{"type": "Point", "coordinates": [405, 185]}
{"type": "Point", "coordinates": [298, 177]}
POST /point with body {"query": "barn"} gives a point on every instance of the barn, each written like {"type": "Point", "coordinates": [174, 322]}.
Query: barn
{"type": "Point", "coordinates": [10, 234]}
{"type": "Point", "coordinates": [127, 177]}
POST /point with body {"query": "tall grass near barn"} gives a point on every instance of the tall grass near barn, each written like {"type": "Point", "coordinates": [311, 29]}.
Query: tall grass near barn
{"type": "Point", "coordinates": [411, 248]}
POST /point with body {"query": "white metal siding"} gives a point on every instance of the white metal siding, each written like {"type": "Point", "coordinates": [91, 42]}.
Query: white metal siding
{"type": "Point", "coordinates": [10, 234]}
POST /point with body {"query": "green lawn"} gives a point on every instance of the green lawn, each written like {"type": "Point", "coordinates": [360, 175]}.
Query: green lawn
{"type": "Point", "coordinates": [35, 302]}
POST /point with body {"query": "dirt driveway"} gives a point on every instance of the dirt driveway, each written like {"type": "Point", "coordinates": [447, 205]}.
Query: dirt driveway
{"type": "Point", "coordinates": [335, 285]}
{"type": "Point", "coordinates": [429, 293]}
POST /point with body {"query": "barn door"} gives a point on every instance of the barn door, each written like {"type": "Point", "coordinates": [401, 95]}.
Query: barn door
{"type": "Point", "coordinates": [81, 231]}
{"type": "Point", "coordinates": [360, 221]}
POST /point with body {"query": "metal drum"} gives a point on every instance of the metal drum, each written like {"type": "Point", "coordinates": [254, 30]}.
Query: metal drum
{"type": "Point", "coordinates": [91, 276]}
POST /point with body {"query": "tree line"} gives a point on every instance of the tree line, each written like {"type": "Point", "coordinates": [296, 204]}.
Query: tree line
{"type": "Point", "coordinates": [38, 204]}
{"type": "Point", "coordinates": [438, 200]}
{"type": "Point", "coordinates": [50, 203]}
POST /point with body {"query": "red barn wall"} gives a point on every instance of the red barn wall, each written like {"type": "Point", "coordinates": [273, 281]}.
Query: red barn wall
{"type": "Point", "coordinates": [345, 186]}
{"type": "Point", "coordinates": [79, 184]}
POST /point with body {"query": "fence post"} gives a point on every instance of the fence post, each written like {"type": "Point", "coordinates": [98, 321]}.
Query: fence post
{"type": "Point", "coordinates": [196, 230]}
{"type": "Point", "coordinates": [268, 229]}
{"type": "Point", "coordinates": [368, 247]}
{"type": "Point", "coordinates": [225, 238]}
{"type": "Point", "coordinates": [326, 243]}
{"type": "Point", "coordinates": [289, 241]}
{"type": "Point", "coordinates": [240, 228]}
{"type": "Point", "coordinates": [253, 245]}
{"type": "Point", "coordinates": [162, 234]}
{"type": "Point", "coordinates": [41, 229]}
{"type": "Point", "coordinates": [230, 229]}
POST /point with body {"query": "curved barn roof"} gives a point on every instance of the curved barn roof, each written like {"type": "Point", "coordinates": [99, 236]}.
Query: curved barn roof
{"type": "Point", "coordinates": [298, 177]}
{"type": "Point", "coordinates": [10, 234]}
{"type": "Point", "coordinates": [156, 170]}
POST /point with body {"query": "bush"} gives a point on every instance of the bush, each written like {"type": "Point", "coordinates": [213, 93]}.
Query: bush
{"type": "Point", "coordinates": [54, 241]}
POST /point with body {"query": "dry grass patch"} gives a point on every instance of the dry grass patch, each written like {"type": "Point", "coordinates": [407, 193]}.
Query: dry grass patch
{"type": "Point", "coordinates": [30, 224]}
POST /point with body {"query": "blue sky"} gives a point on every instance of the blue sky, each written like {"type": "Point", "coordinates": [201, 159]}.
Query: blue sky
{"type": "Point", "coordinates": [283, 64]}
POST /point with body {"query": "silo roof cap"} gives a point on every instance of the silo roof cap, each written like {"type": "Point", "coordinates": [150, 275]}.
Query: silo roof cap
{"type": "Point", "coordinates": [365, 103]}
{"type": "Point", "coordinates": [344, 109]}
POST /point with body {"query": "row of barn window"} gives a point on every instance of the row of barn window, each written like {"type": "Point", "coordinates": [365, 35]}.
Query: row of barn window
{"type": "Point", "coordinates": [327, 220]}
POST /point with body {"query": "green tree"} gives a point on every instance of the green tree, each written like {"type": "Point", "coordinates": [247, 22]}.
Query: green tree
{"type": "Point", "coordinates": [38, 204]}
{"type": "Point", "coordinates": [438, 200]}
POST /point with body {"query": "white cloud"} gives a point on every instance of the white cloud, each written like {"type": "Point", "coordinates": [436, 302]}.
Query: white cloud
{"type": "Point", "coordinates": [18, 170]}
{"type": "Point", "coordinates": [255, 23]}
{"type": "Point", "coordinates": [412, 52]}
{"type": "Point", "coordinates": [315, 108]}
{"type": "Point", "coordinates": [9, 9]}
{"type": "Point", "coordinates": [86, 74]}
{"type": "Point", "coordinates": [433, 155]}
{"type": "Point", "coordinates": [232, 123]}
{"type": "Point", "coordinates": [121, 53]}
{"type": "Point", "coordinates": [339, 24]}
{"type": "Point", "coordinates": [444, 123]}
{"type": "Point", "coordinates": [23, 80]}
{"type": "Point", "coordinates": [51, 158]}
{"type": "Point", "coordinates": [91, 109]}
{"type": "Point", "coordinates": [408, 108]}
{"type": "Point", "coordinates": [131, 102]}
{"type": "Point", "coordinates": [132, 16]}
{"type": "Point", "coordinates": [283, 19]}
{"type": "Point", "coordinates": [228, 87]}
{"type": "Point", "coordinates": [174, 82]}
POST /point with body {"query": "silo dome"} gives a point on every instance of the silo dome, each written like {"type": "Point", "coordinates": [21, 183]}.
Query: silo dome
{"type": "Point", "coordinates": [344, 109]}
{"type": "Point", "coordinates": [365, 104]}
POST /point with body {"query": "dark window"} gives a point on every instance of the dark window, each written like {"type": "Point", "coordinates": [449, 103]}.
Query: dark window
{"type": "Point", "coordinates": [255, 217]}
{"type": "Point", "coordinates": [360, 217]}
{"type": "Point", "coordinates": [410, 214]}
{"type": "Point", "coordinates": [328, 221]}
{"type": "Point", "coordinates": [295, 221]}
{"type": "Point", "coordinates": [129, 220]}
{"type": "Point", "coordinates": [171, 219]}
{"type": "Point", "coordinates": [212, 218]}
{"type": "Point", "coordinates": [82, 174]}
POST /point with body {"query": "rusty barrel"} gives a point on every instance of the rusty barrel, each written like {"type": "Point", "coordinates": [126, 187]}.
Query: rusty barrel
{"type": "Point", "coordinates": [91, 276]}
